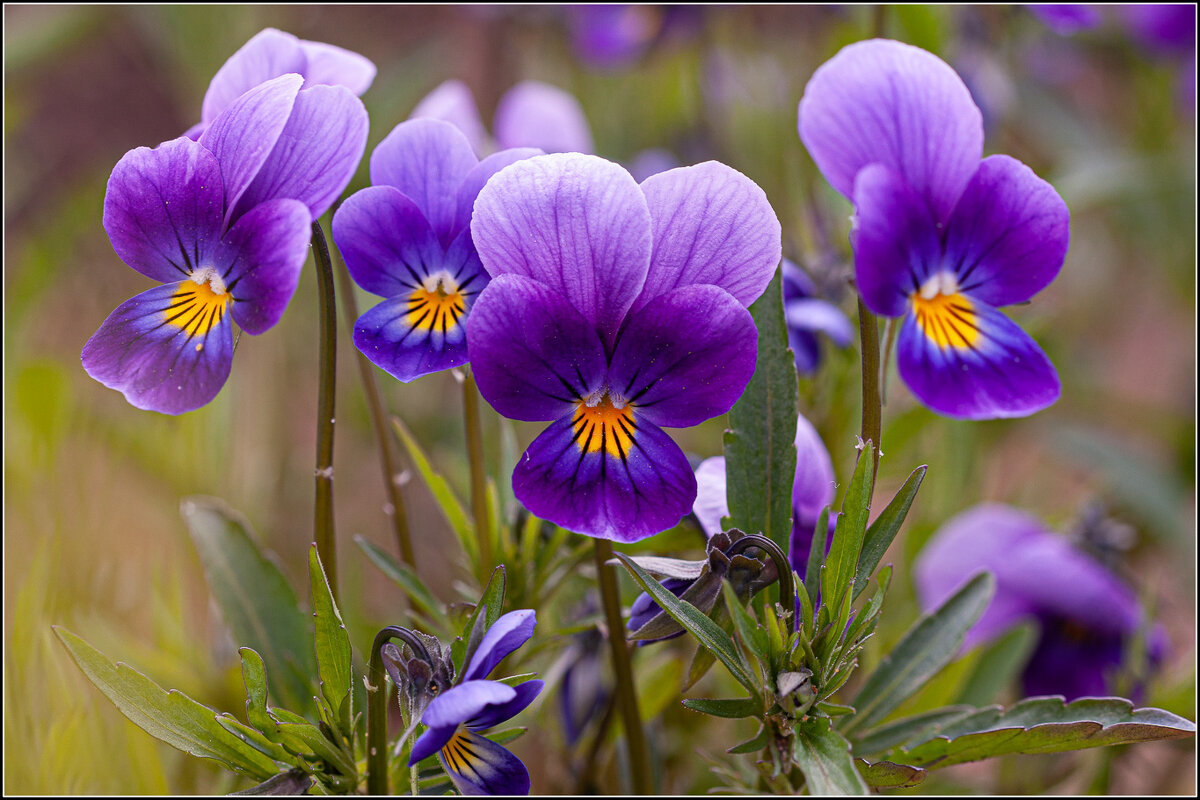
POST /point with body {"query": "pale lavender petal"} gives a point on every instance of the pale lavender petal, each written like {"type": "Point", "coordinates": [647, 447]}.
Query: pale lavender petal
{"type": "Point", "coordinates": [387, 243]}
{"type": "Point", "coordinates": [814, 483]}
{"type": "Point", "coordinates": [685, 357]}
{"type": "Point", "coordinates": [163, 208]}
{"type": "Point", "coordinates": [427, 160]}
{"type": "Point", "coordinates": [335, 66]}
{"type": "Point", "coordinates": [883, 102]}
{"type": "Point", "coordinates": [710, 225]}
{"type": "Point", "coordinates": [577, 223]}
{"type": "Point", "coordinates": [536, 114]}
{"type": "Point", "coordinates": [818, 315]}
{"type": "Point", "coordinates": [479, 766]}
{"type": "Point", "coordinates": [711, 504]}
{"type": "Point", "coordinates": [1008, 235]}
{"type": "Point", "coordinates": [478, 177]}
{"type": "Point", "coordinates": [508, 633]}
{"type": "Point", "coordinates": [495, 714]}
{"type": "Point", "coordinates": [269, 54]}
{"type": "Point", "coordinates": [261, 260]}
{"type": "Point", "coordinates": [453, 102]}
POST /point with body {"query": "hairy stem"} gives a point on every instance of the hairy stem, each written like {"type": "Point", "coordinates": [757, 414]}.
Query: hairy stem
{"type": "Point", "coordinates": [377, 746]}
{"type": "Point", "coordinates": [323, 512]}
{"type": "Point", "coordinates": [787, 586]}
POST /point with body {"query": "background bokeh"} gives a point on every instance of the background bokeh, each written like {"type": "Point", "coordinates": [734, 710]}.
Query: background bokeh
{"type": "Point", "coordinates": [93, 539]}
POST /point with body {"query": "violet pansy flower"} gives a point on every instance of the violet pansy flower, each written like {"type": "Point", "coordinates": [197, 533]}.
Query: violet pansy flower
{"type": "Point", "coordinates": [942, 237]}
{"type": "Point", "coordinates": [271, 53]}
{"type": "Point", "coordinates": [806, 316]}
{"type": "Point", "coordinates": [1087, 615]}
{"type": "Point", "coordinates": [1066, 19]}
{"type": "Point", "coordinates": [616, 310]}
{"type": "Point", "coordinates": [224, 224]}
{"type": "Point", "coordinates": [453, 719]}
{"type": "Point", "coordinates": [407, 238]}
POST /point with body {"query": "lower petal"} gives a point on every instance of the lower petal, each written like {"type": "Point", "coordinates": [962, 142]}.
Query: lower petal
{"type": "Point", "coordinates": [168, 349]}
{"type": "Point", "coordinates": [480, 766]}
{"type": "Point", "coordinates": [638, 486]}
{"type": "Point", "coordinates": [968, 360]}
{"type": "Point", "coordinates": [414, 334]}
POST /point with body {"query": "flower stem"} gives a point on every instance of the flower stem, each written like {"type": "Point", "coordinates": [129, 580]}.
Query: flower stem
{"type": "Point", "coordinates": [479, 509]}
{"type": "Point", "coordinates": [872, 414]}
{"type": "Point", "coordinates": [635, 737]}
{"type": "Point", "coordinates": [787, 586]}
{"type": "Point", "coordinates": [387, 457]}
{"type": "Point", "coordinates": [377, 749]}
{"type": "Point", "coordinates": [323, 513]}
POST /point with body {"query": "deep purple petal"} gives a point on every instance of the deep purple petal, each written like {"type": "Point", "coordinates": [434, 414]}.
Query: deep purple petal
{"type": "Point", "coordinates": [614, 34]}
{"type": "Point", "coordinates": [269, 54]}
{"type": "Point", "coordinates": [464, 701]}
{"type": "Point", "coordinates": [1072, 662]}
{"type": "Point", "coordinates": [806, 351]}
{"type": "Point", "coordinates": [162, 209]}
{"type": "Point", "coordinates": [453, 102]}
{"type": "Point", "coordinates": [479, 175]}
{"type": "Point", "coordinates": [536, 114]}
{"type": "Point", "coordinates": [427, 160]}
{"type": "Point", "coordinates": [582, 694]}
{"type": "Point", "coordinates": [644, 608]}
{"type": "Point", "coordinates": [896, 245]}
{"type": "Point", "coordinates": [168, 349]}
{"type": "Point", "coordinates": [818, 315]}
{"type": "Point", "coordinates": [796, 283]}
{"type": "Point", "coordinates": [495, 714]}
{"type": "Point", "coordinates": [712, 225]}
{"type": "Point", "coordinates": [685, 357]}
{"type": "Point", "coordinates": [262, 258]}
{"type": "Point", "coordinates": [1001, 372]}
{"type": "Point", "coordinates": [387, 243]}
{"type": "Point", "coordinates": [1008, 235]}
{"type": "Point", "coordinates": [804, 528]}
{"type": "Point", "coordinates": [883, 102]}
{"type": "Point", "coordinates": [507, 634]}
{"type": "Point", "coordinates": [335, 66]}
{"type": "Point", "coordinates": [712, 504]}
{"type": "Point", "coordinates": [479, 766]}
{"type": "Point", "coordinates": [1066, 18]}
{"type": "Point", "coordinates": [243, 136]}
{"type": "Point", "coordinates": [598, 492]}
{"type": "Point", "coordinates": [577, 223]}
{"type": "Point", "coordinates": [387, 336]}
{"type": "Point", "coordinates": [317, 153]}
{"type": "Point", "coordinates": [533, 355]}
{"type": "Point", "coordinates": [429, 742]}
{"type": "Point", "coordinates": [813, 484]}
{"type": "Point", "coordinates": [1165, 28]}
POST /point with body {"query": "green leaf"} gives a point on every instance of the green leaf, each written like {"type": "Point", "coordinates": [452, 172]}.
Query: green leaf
{"type": "Point", "coordinates": [729, 709]}
{"type": "Point", "coordinates": [907, 729]}
{"type": "Point", "coordinates": [848, 537]}
{"type": "Point", "coordinates": [443, 495]}
{"type": "Point", "coordinates": [999, 665]}
{"type": "Point", "coordinates": [824, 758]}
{"type": "Point", "coordinates": [306, 738]}
{"type": "Point", "coordinates": [254, 678]}
{"type": "Point", "coordinates": [884, 529]}
{"type": "Point", "coordinates": [255, 599]}
{"type": "Point", "coordinates": [760, 740]}
{"type": "Point", "coordinates": [412, 585]}
{"type": "Point", "coordinates": [886, 775]}
{"type": "Point", "coordinates": [332, 647]}
{"type": "Point", "coordinates": [256, 739]}
{"type": "Point", "coordinates": [491, 602]}
{"type": "Point", "coordinates": [172, 717]}
{"type": "Point", "coordinates": [816, 560]}
{"type": "Point", "coordinates": [927, 647]}
{"type": "Point", "coordinates": [835, 709]}
{"type": "Point", "coordinates": [752, 636]}
{"type": "Point", "coordinates": [760, 449]}
{"type": "Point", "coordinates": [1044, 725]}
{"type": "Point", "coordinates": [707, 632]}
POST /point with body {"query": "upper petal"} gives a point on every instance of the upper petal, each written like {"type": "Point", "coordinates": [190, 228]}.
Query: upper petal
{"type": "Point", "coordinates": [527, 692]}
{"type": "Point", "coordinates": [478, 177]}
{"type": "Point", "coordinates": [577, 223]}
{"type": "Point", "coordinates": [710, 224]}
{"type": "Point", "coordinates": [335, 66]}
{"type": "Point", "coordinates": [536, 114]}
{"type": "Point", "coordinates": [464, 701]}
{"type": "Point", "coordinates": [162, 209]}
{"type": "Point", "coordinates": [453, 102]}
{"type": "Point", "coordinates": [686, 356]}
{"type": "Point", "coordinates": [883, 102]}
{"type": "Point", "coordinates": [388, 245]}
{"type": "Point", "coordinates": [508, 633]}
{"type": "Point", "coordinates": [269, 54]}
{"type": "Point", "coordinates": [262, 257]}
{"type": "Point", "coordinates": [1008, 235]}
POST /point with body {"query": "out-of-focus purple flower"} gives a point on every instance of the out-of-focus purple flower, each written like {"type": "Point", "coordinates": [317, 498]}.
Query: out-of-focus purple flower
{"type": "Point", "coordinates": [651, 162]}
{"type": "Point", "coordinates": [453, 719]}
{"type": "Point", "coordinates": [223, 223]}
{"type": "Point", "coordinates": [530, 114]}
{"type": "Point", "coordinates": [941, 238]}
{"type": "Point", "coordinates": [583, 691]}
{"type": "Point", "coordinates": [806, 316]}
{"type": "Point", "coordinates": [1167, 29]}
{"type": "Point", "coordinates": [1086, 613]}
{"type": "Point", "coordinates": [616, 310]}
{"type": "Point", "coordinates": [1066, 19]}
{"type": "Point", "coordinates": [271, 53]}
{"type": "Point", "coordinates": [609, 36]}
{"type": "Point", "coordinates": [407, 238]}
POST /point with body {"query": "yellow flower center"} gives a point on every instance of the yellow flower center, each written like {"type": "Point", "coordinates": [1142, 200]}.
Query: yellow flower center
{"type": "Point", "coordinates": [945, 315]}
{"type": "Point", "coordinates": [199, 304]}
{"type": "Point", "coordinates": [437, 304]}
{"type": "Point", "coordinates": [604, 426]}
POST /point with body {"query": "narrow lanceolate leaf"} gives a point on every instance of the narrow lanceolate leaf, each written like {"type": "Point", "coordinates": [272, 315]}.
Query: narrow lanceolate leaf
{"type": "Point", "coordinates": [848, 536]}
{"type": "Point", "coordinates": [816, 560]}
{"type": "Point", "coordinates": [707, 632]}
{"type": "Point", "coordinates": [886, 775]}
{"type": "Point", "coordinates": [730, 709]}
{"type": "Point", "coordinates": [753, 637]}
{"type": "Point", "coordinates": [907, 729]}
{"type": "Point", "coordinates": [172, 717]}
{"type": "Point", "coordinates": [403, 576]}
{"type": "Point", "coordinates": [332, 646]}
{"type": "Point", "coordinates": [490, 604]}
{"type": "Point", "coordinates": [884, 529]}
{"type": "Point", "coordinates": [754, 745]}
{"type": "Point", "coordinates": [760, 450]}
{"type": "Point", "coordinates": [256, 601]}
{"type": "Point", "coordinates": [927, 647]}
{"type": "Point", "coordinates": [1044, 725]}
{"type": "Point", "coordinates": [447, 501]}
{"type": "Point", "coordinates": [254, 677]}
{"type": "Point", "coordinates": [824, 758]}
{"type": "Point", "coordinates": [998, 665]}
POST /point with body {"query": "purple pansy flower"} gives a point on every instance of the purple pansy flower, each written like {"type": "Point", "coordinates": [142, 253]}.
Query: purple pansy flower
{"type": "Point", "coordinates": [224, 224]}
{"type": "Point", "coordinates": [408, 239]}
{"type": "Point", "coordinates": [530, 114]}
{"type": "Point", "coordinates": [1087, 614]}
{"type": "Point", "coordinates": [271, 53]}
{"type": "Point", "coordinates": [1067, 18]}
{"type": "Point", "coordinates": [807, 316]}
{"type": "Point", "coordinates": [613, 35]}
{"type": "Point", "coordinates": [616, 310]}
{"type": "Point", "coordinates": [475, 764]}
{"type": "Point", "coordinates": [942, 238]}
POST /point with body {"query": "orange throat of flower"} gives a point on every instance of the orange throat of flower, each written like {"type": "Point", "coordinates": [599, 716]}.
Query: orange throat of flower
{"type": "Point", "coordinates": [948, 320]}
{"type": "Point", "coordinates": [437, 305]}
{"type": "Point", "coordinates": [604, 427]}
{"type": "Point", "coordinates": [199, 304]}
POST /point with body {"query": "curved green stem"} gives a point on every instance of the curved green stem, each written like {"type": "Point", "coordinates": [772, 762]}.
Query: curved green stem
{"type": "Point", "coordinates": [787, 585]}
{"type": "Point", "coordinates": [377, 746]}
{"type": "Point", "coordinates": [323, 513]}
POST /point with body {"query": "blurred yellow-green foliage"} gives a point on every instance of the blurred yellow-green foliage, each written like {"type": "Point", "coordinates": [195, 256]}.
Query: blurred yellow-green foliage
{"type": "Point", "coordinates": [93, 539]}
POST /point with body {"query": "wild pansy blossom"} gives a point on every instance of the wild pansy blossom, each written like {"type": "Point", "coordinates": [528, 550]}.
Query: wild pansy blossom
{"type": "Point", "coordinates": [224, 224]}
{"type": "Point", "coordinates": [1087, 615]}
{"type": "Point", "coordinates": [942, 238]}
{"type": "Point", "coordinates": [453, 719]}
{"type": "Point", "coordinates": [616, 310]}
{"type": "Point", "coordinates": [808, 315]}
{"type": "Point", "coordinates": [1067, 18]}
{"type": "Point", "coordinates": [408, 239]}
{"type": "Point", "coordinates": [271, 53]}
{"type": "Point", "coordinates": [530, 114]}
